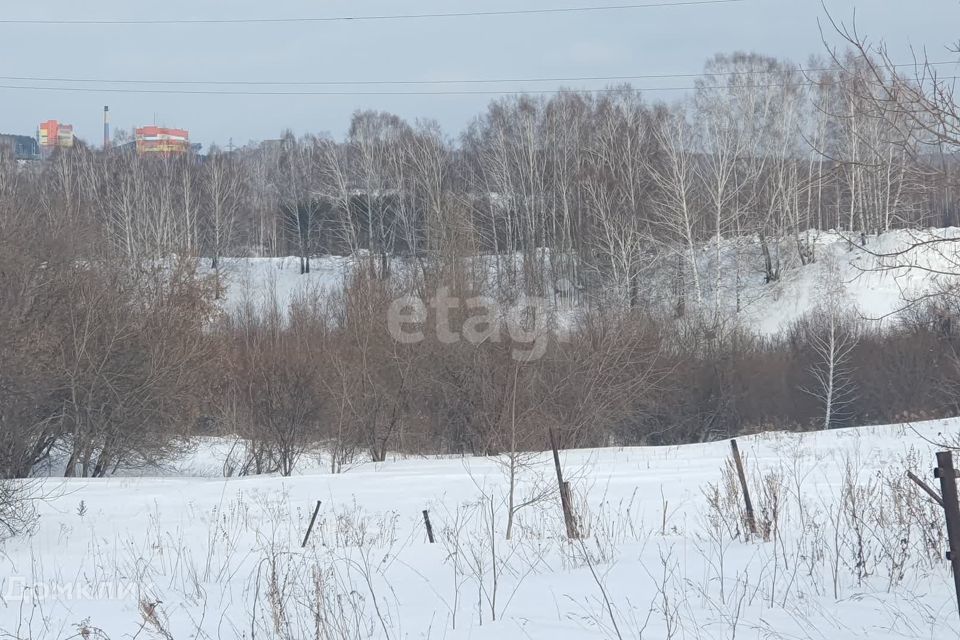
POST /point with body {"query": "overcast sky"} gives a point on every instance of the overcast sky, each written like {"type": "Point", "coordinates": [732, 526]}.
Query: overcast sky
{"type": "Point", "coordinates": [614, 43]}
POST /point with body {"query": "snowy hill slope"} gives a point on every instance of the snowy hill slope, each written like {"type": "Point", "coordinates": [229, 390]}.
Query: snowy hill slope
{"type": "Point", "coordinates": [764, 307]}
{"type": "Point", "coordinates": [846, 548]}
{"type": "Point", "coordinates": [876, 286]}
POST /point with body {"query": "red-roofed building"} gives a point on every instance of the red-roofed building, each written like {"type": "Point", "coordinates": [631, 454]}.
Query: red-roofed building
{"type": "Point", "coordinates": [162, 140]}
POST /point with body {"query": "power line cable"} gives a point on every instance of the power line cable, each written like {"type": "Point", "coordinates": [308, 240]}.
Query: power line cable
{"type": "Point", "coordinates": [396, 93]}
{"type": "Point", "coordinates": [359, 18]}
{"type": "Point", "coordinates": [612, 78]}
{"type": "Point", "coordinates": [313, 93]}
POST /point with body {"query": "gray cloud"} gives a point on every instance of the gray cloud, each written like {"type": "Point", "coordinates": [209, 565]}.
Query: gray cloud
{"type": "Point", "coordinates": [662, 40]}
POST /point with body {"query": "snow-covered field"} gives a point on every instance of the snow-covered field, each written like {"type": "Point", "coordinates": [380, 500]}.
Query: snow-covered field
{"type": "Point", "coordinates": [846, 548]}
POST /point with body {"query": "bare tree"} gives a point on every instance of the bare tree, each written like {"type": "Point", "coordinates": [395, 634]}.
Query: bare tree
{"type": "Point", "coordinates": [723, 147]}
{"type": "Point", "coordinates": [833, 335]}
{"type": "Point", "coordinates": [680, 216]}
{"type": "Point", "coordinates": [273, 390]}
{"type": "Point", "coordinates": [132, 363]}
{"type": "Point", "coordinates": [224, 185]}
{"type": "Point", "coordinates": [378, 165]}
{"type": "Point", "coordinates": [17, 511]}
{"type": "Point", "coordinates": [908, 141]}
{"type": "Point", "coordinates": [296, 182]}
{"type": "Point", "coordinates": [615, 192]}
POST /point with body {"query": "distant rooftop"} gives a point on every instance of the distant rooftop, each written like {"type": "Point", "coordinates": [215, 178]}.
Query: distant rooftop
{"type": "Point", "coordinates": [24, 147]}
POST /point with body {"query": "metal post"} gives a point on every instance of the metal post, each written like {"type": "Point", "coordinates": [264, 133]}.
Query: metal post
{"type": "Point", "coordinates": [948, 491]}
{"type": "Point", "coordinates": [106, 128]}
{"type": "Point", "coordinates": [426, 521]}
{"type": "Point", "coordinates": [306, 538]}
{"type": "Point", "coordinates": [926, 488]}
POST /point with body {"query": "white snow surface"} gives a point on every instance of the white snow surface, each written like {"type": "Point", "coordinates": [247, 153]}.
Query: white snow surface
{"type": "Point", "coordinates": [878, 285]}
{"type": "Point", "coordinates": [207, 557]}
{"type": "Point", "coordinates": [876, 294]}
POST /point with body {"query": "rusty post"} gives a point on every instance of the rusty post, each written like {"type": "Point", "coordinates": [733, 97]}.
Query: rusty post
{"type": "Point", "coordinates": [738, 461]}
{"type": "Point", "coordinates": [574, 525]}
{"type": "Point", "coordinates": [564, 492]}
{"type": "Point", "coordinates": [947, 474]}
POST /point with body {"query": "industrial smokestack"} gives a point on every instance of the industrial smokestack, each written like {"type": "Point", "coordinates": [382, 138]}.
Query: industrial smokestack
{"type": "Point", "coordinates": [106, 128]}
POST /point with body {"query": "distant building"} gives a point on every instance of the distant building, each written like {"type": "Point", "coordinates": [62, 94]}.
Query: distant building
{"type": "Point", "coordinates": [24, 148]}
{"type": "Point", "coordinates": [162, 141]}
{"type": "Point", "coordinates": [55, 135]}
{"type": "Point", "coordinates": [271, 146]}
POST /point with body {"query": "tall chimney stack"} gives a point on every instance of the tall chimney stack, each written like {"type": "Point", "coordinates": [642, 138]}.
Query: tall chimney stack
{"type": "Point", "coordinates": [106, 128]}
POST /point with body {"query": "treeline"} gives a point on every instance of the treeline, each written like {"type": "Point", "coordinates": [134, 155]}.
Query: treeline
{"type": "Point", "coordinates": [104, 365]}
{"type": "Point", "coordinates": [609, 182]}
{"type": "Point", "coordinates": [114, 349]}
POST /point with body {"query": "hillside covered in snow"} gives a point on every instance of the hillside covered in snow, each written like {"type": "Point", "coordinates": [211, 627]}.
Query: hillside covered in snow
{"type": "Point", "coordinates": [880, 277]}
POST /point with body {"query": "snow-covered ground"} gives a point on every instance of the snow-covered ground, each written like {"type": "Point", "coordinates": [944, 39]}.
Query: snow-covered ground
{"type": "Point", "coordinates": [875, 293]}
{"type": "Point", "coordinates": [846, 548]}
{"type": "Point", "coordinates": [878, 287]}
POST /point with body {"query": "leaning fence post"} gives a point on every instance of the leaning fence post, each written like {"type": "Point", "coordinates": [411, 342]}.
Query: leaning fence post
{"type": "Point", "coordinates": [426, 521]}
{"type": "Point", "coordinates": [738, 461]}
{"type": "Point", "coordinates": [926, 488]}
{"type": "Point", "coordinates": [565, 501]}
{"type": "Point", "coordinates": [948, 491]}
{"type": "Point", "coordinates": [306, 538]}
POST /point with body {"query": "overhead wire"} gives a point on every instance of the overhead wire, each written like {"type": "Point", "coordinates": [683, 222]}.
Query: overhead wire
{"type": "Point", "coordinates": [468, 81]}
{"type": "Point", "coordinates": [450, 81]}
{"type": "Point", "coordinates": [465, 92]}
{"type": "Point", "coordinates": [405, 82]}
{"type": "Point", "coordinates": [360, 18]}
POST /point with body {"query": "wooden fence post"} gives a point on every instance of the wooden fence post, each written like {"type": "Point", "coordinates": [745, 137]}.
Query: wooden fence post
{"type": "Point", "coordinates": [565, 501]}
{"type": "Point", "coordinates": [947, 474]}
{"type": "Point", "coordinates": [574, 523]}
{"type": "Point", "coordinates": [306, 538]}
{"type": "Point", "coordinates": [426, 521]}
{"type": "Point", "coordinates": [738, 461]}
